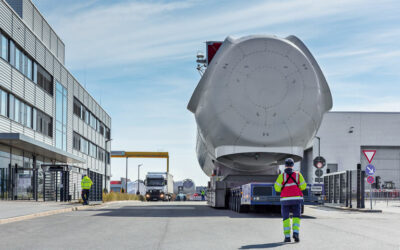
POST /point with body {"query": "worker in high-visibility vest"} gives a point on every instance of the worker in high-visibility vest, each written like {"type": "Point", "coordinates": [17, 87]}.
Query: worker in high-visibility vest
{"type": "Point", "coordinates": [290, 184]}
{"type": "Point", "coordinates": [86, 184]}
{"type": "Point", "coordinates": [203, 193]}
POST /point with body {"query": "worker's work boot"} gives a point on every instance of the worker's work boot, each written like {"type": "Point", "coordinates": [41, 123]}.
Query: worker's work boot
{"type": "Point", "coordinates": [296, 237]}
{"type": "Point", "coordinates": [287, 239]}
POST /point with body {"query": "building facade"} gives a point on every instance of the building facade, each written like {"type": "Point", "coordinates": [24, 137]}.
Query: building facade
{"type": "Point", "coordinates": [344, 135]}
{"type": "Point", "coordinates": [48, 122]}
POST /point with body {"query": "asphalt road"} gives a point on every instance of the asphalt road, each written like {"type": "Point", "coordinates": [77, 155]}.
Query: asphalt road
{"type": "Point", "coordinates": [193, 225]}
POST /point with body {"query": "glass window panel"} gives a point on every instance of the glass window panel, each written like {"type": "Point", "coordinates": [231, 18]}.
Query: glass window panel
{"type": "Point", "coordinates": [29, 68]}
{"type": "Point", "coordinates": [64, 140]}
{"type": "Point", "coordinates": [59, 103]}
{"type": "Point", "coordinates": [65, 110]}
{"type": "Point", "coordinates": [4, 103]}
{"type": "Point", "coordinates": [58, 139]}
{"type": "Point", "coordinates": [35, 72]}
{"type": "Point", "coordinates": [12, 53]}
{"type": "Point", "coordinates": [22, 113]}
{"type": "Point", "coordinates": [34, 119]}
{"type": "Point", "coordinates": [18, 59]}
{"type": "Point", "coordinates": [16, 111]}
{"type": "Point", "coordinates": [4, 48]}
{"type": "Point", "coordinates": [28, 116]}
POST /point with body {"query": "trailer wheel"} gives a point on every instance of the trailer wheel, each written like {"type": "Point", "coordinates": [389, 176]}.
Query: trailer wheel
{"type": "Point", "coordinates": [302, 209]}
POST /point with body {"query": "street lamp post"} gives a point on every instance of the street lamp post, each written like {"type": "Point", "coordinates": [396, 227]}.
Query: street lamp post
{"type": "Point", "coordinates": [138, 178]}
{"type": "Point", "coordinates": [126, 177]}
{"type": "Point", "coordinates": [319, 145]}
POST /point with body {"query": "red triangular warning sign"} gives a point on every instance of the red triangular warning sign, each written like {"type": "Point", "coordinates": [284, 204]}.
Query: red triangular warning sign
{"type": "Point", "coordinates": [369, 154]}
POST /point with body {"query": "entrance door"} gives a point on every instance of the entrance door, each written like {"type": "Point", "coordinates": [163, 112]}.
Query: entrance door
{"type": "Point", "coordinates": [3, 184]}
{"type": "Point", "coordinates": [24, 183]}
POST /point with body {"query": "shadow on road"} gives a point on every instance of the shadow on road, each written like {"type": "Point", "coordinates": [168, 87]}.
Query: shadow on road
{"type": "Point", "coordinates": [266, 245]}
{"type": "Point", "coordinates": [169, 211]}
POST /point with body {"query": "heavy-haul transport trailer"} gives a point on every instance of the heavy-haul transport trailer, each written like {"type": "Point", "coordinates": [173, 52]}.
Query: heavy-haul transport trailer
{"type": "Point", "coordinates": [252, 195]}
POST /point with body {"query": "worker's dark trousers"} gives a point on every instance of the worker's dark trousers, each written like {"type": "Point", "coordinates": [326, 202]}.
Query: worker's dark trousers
{"type": "Point", "coordinates": [286, 209]}
{"type": "Point", "coordinates": [85, 196]}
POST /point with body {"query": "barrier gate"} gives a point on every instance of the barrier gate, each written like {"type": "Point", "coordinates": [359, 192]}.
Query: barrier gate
{"type": "Point", "coordinates": [345, 188]}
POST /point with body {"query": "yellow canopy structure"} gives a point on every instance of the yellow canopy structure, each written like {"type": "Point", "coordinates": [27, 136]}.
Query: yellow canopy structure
{"type": "Point", "coordinates": [125, 154]}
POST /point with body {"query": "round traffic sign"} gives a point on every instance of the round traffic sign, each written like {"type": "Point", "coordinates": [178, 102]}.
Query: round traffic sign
{"type": "Point", "coordinates": [370, 169]}
{"type": "Point", "coordinates": [319, 172]}
{"type": "Point", "coordinates": [370, 179]}
{"type": "Point", "coordinates": [319, 162]}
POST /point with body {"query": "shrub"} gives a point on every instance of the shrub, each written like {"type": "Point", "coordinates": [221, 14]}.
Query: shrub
{"type": "Point", "coordinates": [114, 196]}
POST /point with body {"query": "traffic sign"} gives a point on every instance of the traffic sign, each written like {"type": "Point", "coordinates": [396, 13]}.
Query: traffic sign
{"type": "Point", "coordinates": [370, 179]}
{"type": "Point", "coordinates": [319, 172]}
{"type": "Point", "coordinates": [370, 169]}
{"type": "Point", "coordinates": [319, 162]}
{"type": "Point", "coordinates": [369, 154]}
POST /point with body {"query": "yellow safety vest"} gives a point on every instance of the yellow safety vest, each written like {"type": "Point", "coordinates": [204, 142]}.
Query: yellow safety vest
{"type": "Point", "coordinates": [86, 183]}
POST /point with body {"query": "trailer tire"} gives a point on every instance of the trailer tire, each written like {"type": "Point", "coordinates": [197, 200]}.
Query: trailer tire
{"type": "Point", "coordinates": [302, 209]}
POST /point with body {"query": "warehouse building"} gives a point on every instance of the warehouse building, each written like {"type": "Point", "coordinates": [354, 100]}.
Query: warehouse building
{"type": "Point", "coordinates": [342, 138]}
{"type": "Point", "coordinates": [51, 130]}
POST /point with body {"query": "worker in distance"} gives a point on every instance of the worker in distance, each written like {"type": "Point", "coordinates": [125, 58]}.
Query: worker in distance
{"type": "Point", "coordinates": [291, 184]}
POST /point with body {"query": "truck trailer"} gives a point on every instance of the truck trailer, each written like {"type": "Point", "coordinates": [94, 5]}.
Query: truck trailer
{"type": "Point", "coordinates": [260, 99]}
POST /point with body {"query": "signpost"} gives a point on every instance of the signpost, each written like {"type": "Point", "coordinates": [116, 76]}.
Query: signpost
{"type": "Point", "coordinates": [370, 170]}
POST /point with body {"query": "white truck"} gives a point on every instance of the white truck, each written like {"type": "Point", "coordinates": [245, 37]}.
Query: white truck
{"type": "Point", "coordinates": [260, 100]}
{"type": "Point", "coordinates": [159, 186]}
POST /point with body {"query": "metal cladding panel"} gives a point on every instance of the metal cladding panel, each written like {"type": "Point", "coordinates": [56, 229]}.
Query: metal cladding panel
{"type": "Point", "coordinates": [17, 83]}
{"type": "Point", "coordinates": [5, 18]}
{"type": "Point", "coordinates": [80, 127]}
{"type": "Point", "coordinates": [29, 132]}
{"type": "Point", "coordinates": [64, 79]}
{"type": "Point", "coordinates": [53, 42]}
{"type": "Point", "coordinates": [5, 124]}
{"type": "Point", "coordinates": [30, 42]}
{"type": "Point", "coordinates": [16, 127]}
{"type": "Point", "coordinates": [5, 74]}
{"type": "Point", "coordinates": [85, 98]}
{"type": "Point", "coordinates": [18, 33]}
{"type": "Point", "coordinates": [69, 139]}
{"type": "Point", "coordinates": [57, 71]}
{"type": "Point", "coordinates": [76, 89]}
{"type": "Point", "coordinates": [46, 34]}
{"type": "Point", "coordinates": [30, 92]}
{"type": "Point", "coordinates": [85, 130]}
{"type": "Point", "coordinates": [48, 140]}
{"type": "Point", "coordinates": [75, 125]}
{"type": "Point", "coordinates": [80, 93]}
{"type": "Point", "coordinates": [39, 98]}
{"type": "Point", "coordinates": [37, 24]}
{"type": "Point", "coordinates": [48, 104]}
{"type": "Point", "coordinates": [27, 10]}
{"type": "Point", "coordinates": [60, 51]}
{"type": "Point", "coordinates": [40, 53]}
{"type": "Point", "coordinates": [49, 62]}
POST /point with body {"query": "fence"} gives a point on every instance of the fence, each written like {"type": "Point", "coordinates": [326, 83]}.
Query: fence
{"type": "Point", "coordinates": [345, 188]}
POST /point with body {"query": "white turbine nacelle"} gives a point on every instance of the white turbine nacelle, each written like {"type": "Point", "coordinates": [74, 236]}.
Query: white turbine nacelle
{"type": "Point", "coordinates": [260, 100]}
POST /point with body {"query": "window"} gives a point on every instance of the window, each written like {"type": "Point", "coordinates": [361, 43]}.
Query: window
{"type": "Point", "coordinates": [76, 141]}
{"type": "Point", "coordinates": [11, 110]}
{"type": "Point", "coordinates": [3, 47]}
{"type": "Point", "coordinates": [85, 146]}
{"type": "Point", "coordinates": [28, 116]}
{"type": "Point", "coordinates": [108, 133]}
{"type": "Point", "coordinates": [101, 128]}
{"type": "Point", "coordinates": [44, 79]}
{"type": "Point", "coordinates": [61, 117]}
{"type": "Point", "coordinates": [34, 119]}
{"type": "Point", "coordinates": [18, 59]}
{"type": "Point", "coordinates": [77, 108]}
{"type": "Point", "coordinates": [100, 153]}
{"type": "Point", "coordinates": [87, 116]}
{"type": "Point", "coordinates": [16, 110]}
{"type": "Point", "coordinates": [44, 123]}
{"type": "Point", "coordinates": [3, 103]}
{"type": "Point", "coordinates": [12, 53]}
{"type": "Point", "coordinates": [28, 68]}
{"type": "Point", "coordinates": [93, 121]}
{"type": "Point", "coordinates": [108, 157]}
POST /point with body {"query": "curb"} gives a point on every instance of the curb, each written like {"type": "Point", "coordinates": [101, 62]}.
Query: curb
{"type": "Point", "coordinates": [58, 211]}
{"type": "Point", "coordinates": [362, 210]}
{"type": "Point", "coordinates": [47, 213]}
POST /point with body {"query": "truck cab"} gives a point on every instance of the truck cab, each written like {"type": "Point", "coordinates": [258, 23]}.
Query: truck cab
{"type": "Point", "coordinates": [158, 186]}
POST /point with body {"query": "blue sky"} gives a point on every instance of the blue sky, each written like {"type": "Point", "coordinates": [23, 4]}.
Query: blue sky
{"type": "Point", "coordinates": [138, 59]}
